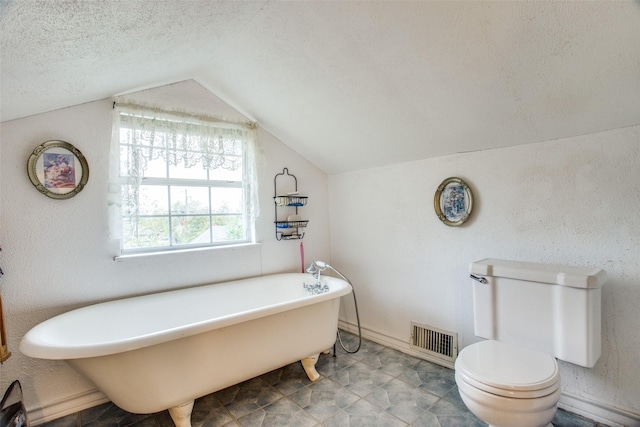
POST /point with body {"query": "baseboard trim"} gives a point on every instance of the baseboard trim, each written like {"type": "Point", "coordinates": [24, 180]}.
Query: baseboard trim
{"type": "Point", "coordinates": [62, 408]}
{"type": "Point", "coordinates": [598, 411]}
{"type": "Point", "coordinates": [589, 408]}
{"type": "Point", "coordinates": [391, 342]}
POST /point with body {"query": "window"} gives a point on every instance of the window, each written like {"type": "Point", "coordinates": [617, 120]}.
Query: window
{"type": "Point", "coordinates": [183, 180]}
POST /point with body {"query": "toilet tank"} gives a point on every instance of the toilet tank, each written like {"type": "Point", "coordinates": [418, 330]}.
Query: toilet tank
{"type": "Point", "coordinates": [549, 308]}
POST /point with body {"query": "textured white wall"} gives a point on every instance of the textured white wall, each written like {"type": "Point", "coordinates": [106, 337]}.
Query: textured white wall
{"type": "Point", "coordinates": [57, 255]}
{"type": "Point", "coordinates": [571, 201]}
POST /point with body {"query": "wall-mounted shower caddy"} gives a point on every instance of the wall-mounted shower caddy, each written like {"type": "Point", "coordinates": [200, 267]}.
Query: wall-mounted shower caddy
{"type": "Point", "coordinates": [286, 203]}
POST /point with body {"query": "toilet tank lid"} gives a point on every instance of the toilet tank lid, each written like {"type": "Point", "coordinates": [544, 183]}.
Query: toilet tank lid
{"type": "Point", "coordinates": [576, 277]}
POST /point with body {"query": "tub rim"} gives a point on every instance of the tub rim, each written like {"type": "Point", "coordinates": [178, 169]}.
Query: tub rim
{"type": "Point", "coordinates": [36, 344]}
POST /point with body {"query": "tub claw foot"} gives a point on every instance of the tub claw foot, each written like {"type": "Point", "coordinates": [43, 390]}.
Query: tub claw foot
{"type": "Point", "coordinates": [309, 365]}
{"type": "Point", "coordinates": [181, 415]}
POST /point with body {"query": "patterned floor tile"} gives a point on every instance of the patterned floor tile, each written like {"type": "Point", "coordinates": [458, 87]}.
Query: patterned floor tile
{"type": "Point", "coordinates": [367, 348]}
{"type": "Point", "coordinates": [452, 415]}
{"type": "Point", "coordinates": [282, 413]}
{"type": "Point", "coordinates": [288, 379]}
{"type": "Point", "coordinates": [453, 396]}
{"type": "Point", "coordinates": [68, 421]}
{"type": "Point", "coordinates": [402, 400]}
{"type": "Point", "coordinates": [376, 387]}
{"type": "Point", "coordinates": [391, 362]}
{"type": "Point", "coordinates": [363, 414]}
{"type": "Point", "coordinates": [323, 399]}
{"type": "Point", "coordinates": [248, 396]}
{"type": "Point", "coordinates": [436, 379]}
{"type": "Point", "coordinates": [109, 414]}
{"type": "Point", "coordinates": [164, 419]}
{"type": "Point", "coordinates": [427, 419]}
{"type": "Point", "coordinates": [209, 411]}
{"type": "Point", "coordinates": [328, 365]}
{"type": "Point", "coordinates": [567, 419]}
{"type": "Point", "coordinates": [361, 379]}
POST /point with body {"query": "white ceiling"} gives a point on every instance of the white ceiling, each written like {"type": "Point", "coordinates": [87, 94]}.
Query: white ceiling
{"type": "Point", "coordinates": [347, 84]}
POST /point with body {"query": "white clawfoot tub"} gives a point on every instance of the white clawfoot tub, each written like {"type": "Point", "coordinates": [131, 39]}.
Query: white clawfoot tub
{"type": "Point", "coordinates": [162, 351]}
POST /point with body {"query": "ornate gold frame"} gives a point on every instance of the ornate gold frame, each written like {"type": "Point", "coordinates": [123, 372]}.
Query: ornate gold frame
{"type": "Point", "coordinates": [36, 169]}
{"type": "Point", "coordinates": [453, 215]}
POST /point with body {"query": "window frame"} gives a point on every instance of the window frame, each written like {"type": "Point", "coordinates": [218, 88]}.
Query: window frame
{"type": "Point", "coordinates": [167, 183]}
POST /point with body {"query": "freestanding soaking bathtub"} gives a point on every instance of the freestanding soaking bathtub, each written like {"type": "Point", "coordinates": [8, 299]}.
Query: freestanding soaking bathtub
{"type": "Point", "coordinates": [162, 351]}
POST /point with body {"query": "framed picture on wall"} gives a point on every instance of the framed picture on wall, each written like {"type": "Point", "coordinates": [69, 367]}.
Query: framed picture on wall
{"type": "Point", "coordinates": [453, 201]}
{"type": "Point", "coordinates": [58, 169]}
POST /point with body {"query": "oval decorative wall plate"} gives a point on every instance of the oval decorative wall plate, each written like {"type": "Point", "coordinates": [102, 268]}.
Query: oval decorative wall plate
{"type": "Point", "coordinates": [58, 169]}
{"type": "Point", "coordinates": [453, 202]}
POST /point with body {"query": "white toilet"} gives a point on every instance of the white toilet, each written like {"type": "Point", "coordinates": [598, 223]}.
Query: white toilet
{"type": "Point", "coordinates": [530, 314]}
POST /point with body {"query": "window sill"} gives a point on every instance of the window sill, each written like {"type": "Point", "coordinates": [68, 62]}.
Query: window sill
{"type": "Point", "coordinates": [210, 249]}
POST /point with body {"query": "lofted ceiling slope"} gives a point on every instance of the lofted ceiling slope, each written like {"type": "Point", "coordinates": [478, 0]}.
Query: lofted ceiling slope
{"type": "Point", "coordinates": [347, 84]}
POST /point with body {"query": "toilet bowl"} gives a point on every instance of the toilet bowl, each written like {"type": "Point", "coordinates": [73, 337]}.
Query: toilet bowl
{"type": "Point", "coordinates": [506, 385]}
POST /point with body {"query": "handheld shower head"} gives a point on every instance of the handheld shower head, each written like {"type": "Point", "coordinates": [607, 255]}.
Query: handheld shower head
{"type": "Point", "coordinates": [317, 266]}
{"type": "Point", "coordinates": [321, 265]}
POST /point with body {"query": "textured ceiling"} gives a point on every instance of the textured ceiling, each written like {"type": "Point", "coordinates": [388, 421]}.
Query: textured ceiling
{"type": "Point", "coordinates": [348, 85]}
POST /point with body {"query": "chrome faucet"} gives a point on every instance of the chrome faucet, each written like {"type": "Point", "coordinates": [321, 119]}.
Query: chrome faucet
{"type": "Point", "coordinates": [315, 268]}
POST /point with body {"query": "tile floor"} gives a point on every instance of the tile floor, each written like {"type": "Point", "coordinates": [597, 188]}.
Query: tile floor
{"type": "Point", "coordinates": [376, 387]}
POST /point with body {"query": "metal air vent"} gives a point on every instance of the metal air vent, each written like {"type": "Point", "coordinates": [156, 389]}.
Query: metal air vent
{"type": "Point", "coordinates": [435, 342]}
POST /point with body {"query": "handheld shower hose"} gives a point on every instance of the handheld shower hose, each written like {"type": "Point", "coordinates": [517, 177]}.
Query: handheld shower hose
{"type": "Point", "coordinates": [315, 268]}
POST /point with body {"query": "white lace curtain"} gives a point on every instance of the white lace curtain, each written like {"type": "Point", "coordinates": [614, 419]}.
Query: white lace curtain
{"type": "Point", "coordinates": [181, 139]}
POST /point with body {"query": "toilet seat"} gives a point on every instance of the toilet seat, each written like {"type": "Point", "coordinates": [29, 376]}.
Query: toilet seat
{"type": "Point", "coordinates": [508, 370]}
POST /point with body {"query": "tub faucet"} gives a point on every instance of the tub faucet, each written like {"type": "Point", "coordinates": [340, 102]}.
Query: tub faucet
{"type": "Point", "coordinates": [315, 268]}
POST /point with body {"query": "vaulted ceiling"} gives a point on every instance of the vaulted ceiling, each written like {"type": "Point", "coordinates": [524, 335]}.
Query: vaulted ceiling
{"type": "Point", "coordinates": [347, 84]}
